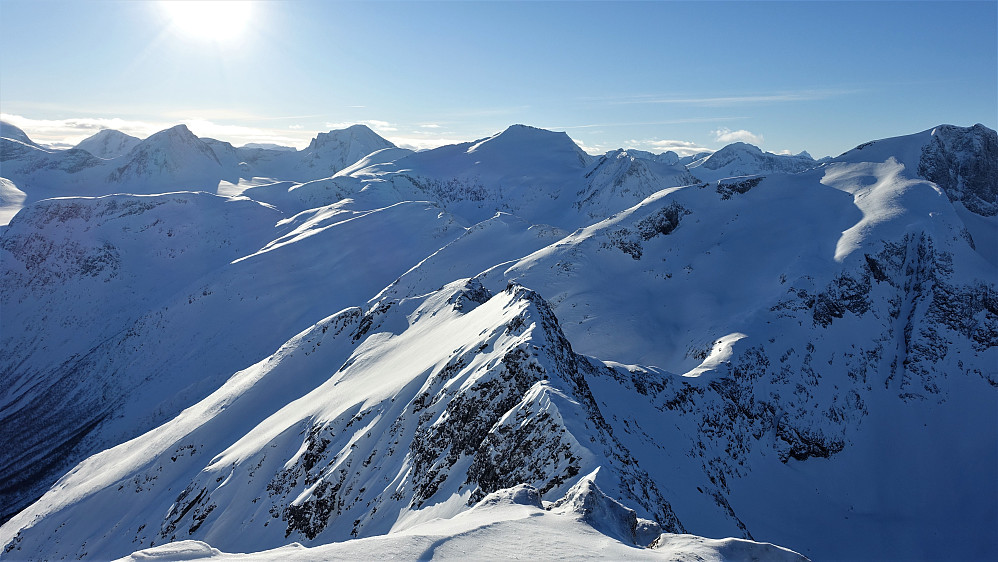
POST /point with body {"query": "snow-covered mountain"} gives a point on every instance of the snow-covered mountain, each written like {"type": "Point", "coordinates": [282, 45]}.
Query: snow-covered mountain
{"type": "Point", "coordinates": [509, 338]}
{"type": "Point", "coordinates": [108, 143]}
{"type": "Point", "coordinates": [327, 154]}
{"type": "Point", "coordinates": [268, 145]}
{"type": "Point", "coordinates": [743, 159]}
{"type": "Point", "coordinates": [170, 160]}
{"type": "Point", "coordinates": [538, 175]}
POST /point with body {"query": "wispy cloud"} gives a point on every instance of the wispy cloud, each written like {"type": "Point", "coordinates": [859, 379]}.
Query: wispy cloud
{"type": "Point", "coordinates": [73, 130]}
{"type": "Point", "coordinates": [422, 142]}
{"type": "Point", "coordinates": [728, 136]}
{"type": "Point", "coordinates": [296, 127]}
{"type": "Point", "coordinates": [430, 126]}
{"type": "Point", "coordinates": [739, 99]}
{"type": "Point", "coordinates": [380, 126]}
{"type": "Point", "coordinates": [594, 149]}
{"type": "Point", "coordinates": [647, 123]}
{"type": "Point", "coordinates": [680, 147]}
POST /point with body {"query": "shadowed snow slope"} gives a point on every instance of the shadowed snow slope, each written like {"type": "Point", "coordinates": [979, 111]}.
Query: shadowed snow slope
{"type": "Point", "coordinates": [160, 298]}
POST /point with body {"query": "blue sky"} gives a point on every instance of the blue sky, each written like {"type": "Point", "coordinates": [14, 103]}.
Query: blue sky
{"type": "Point", "coordinates": [787, 76]}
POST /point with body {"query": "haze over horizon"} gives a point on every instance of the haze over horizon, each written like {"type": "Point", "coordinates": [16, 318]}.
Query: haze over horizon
{"type": "Point", "coordinates": [656, 76]}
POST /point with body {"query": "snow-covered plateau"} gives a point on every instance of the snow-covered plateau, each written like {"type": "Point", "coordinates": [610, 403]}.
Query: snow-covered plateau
{"type": "Point", "coordinates": [497, 349]}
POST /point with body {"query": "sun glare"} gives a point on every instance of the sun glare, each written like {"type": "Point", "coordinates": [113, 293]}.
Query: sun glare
{"type": "Point", "coordinates": [216, 20]}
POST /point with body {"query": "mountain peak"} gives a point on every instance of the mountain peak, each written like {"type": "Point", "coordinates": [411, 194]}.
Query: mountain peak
{"type": "Point", "coordinates": [740, 146]}
{"type": "Point", "coordinates": [361, 136]}
{"type": "Point", "coordinates": [108, 143]}
{"type": "Point", "coordinates": [741, 158]}
{"type": "Point", "coordinates": [524, 138]}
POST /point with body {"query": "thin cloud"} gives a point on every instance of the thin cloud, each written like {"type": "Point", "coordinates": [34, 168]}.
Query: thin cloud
{"type": "Point", "coordinates": [741, 135]}
{"type": "Point", "coordinates": [648, 123]}
{"type": "Point", "coordinates": [72, 131]}
{"type": "Point", "coordinates": [380, 126]}
{"type": "Point", "coordinates": [594, 149]}
{"type": "Point", "coordinates": [680, 147]}
{"type": "Point", "coordinates": [239, 135]}
{"type": "Point", "coordinates": [745, 99]}
{"type": "Point", "coordinates": [296, 127]}
{"type": "Point", "coordinates": [69, 132]}
{"type": "Point", "coordinates": [422, 143]}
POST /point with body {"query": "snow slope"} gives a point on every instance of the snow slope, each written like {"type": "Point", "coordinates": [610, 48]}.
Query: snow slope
{"type": "Point", "coordinates": [11, 200]}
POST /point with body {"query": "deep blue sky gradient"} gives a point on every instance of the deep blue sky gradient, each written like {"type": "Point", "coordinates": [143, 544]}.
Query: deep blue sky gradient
{"type": "Point", "coordinates": [820, 76]}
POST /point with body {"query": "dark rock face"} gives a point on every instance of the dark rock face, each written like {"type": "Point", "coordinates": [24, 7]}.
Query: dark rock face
{"type": "Point", "coordinates": [660, 223]}
{"type": "Point", "coordinates": [729, 188]}
{"type": "Point", "coordinates": [963, 161]}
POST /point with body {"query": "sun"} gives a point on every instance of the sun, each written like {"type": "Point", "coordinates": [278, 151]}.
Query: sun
{"type": "Point", "coordinates": [215, 20]}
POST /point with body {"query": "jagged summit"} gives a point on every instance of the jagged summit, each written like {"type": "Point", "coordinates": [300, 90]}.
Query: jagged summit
{"type": "Point", "coordinates": [108, 143]}
{"type": "Point", "coordinates": [962, 161]}
{"type": "Point", "coordinates": [362, 135]}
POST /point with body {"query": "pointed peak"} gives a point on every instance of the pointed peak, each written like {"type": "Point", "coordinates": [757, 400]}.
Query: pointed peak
{"type": "Point", "coordinates": [358, 133]}
{"type": "Point", "coordinates": [175, 133]}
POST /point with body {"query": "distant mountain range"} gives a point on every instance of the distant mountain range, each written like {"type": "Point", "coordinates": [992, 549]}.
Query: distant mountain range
{"type": "Point", "coordinates": [506, 343]}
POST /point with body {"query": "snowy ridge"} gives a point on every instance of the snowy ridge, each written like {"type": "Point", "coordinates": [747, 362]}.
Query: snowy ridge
{"type": "Point", "coordinates": [510, 522]}
{"type": "Point", "coordinates": [442, 425]}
